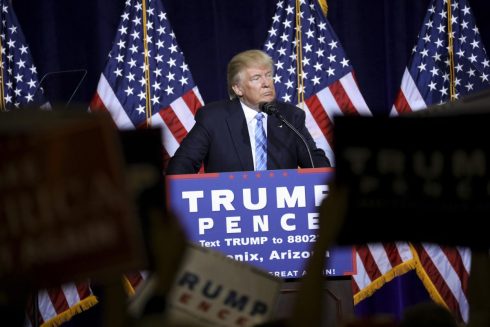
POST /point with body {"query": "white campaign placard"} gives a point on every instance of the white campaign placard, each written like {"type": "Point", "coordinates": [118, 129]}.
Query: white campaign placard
{"type": "Point", "coordinates": [213, 290]}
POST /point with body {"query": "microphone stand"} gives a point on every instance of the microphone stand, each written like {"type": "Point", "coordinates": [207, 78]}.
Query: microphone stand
{"type": "Point", "coordinates": [270, 109]}
{"type": "Point", "coordinates": [35, 304]}
{"type": "Point", "coordinates": [63, 72]}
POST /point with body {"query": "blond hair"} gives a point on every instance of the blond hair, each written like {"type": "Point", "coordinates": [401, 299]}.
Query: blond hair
{"type": "Point", "coordinates": [243, 60]}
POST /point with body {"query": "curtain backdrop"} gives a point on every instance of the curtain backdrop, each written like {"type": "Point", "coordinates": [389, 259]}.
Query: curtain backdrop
{"type": "Point", "coordinates": [377, 36]}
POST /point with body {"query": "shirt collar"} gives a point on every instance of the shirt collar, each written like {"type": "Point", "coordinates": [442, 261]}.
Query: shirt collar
{"type": "Point", "coordinates": [249, 113]}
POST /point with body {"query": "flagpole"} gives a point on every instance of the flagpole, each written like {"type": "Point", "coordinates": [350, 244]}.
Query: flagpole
{"type": "Point", "coordinates": [299, 55]}
{"type": "Point", "coordinates": [2, 94]}
{"type": "Point", "coordinates": [452, 86]}
{"type": "Point", "coordinates": [148, 108]}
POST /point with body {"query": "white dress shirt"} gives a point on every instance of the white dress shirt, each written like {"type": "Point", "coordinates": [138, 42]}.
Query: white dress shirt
{"type": "Point", "coordinates": [251, 124]}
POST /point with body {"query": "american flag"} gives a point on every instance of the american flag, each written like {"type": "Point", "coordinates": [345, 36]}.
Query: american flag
{"type": "Point", "coordinates": [21, 88]}
{"type": "Point", "coordinates": [155, 91]}
{"type": "Point", "coordinates": [426, 80]}
{"type": "Point", "coordinates": [435, 76]}
{"type": "Point", "coordinates": [20, 85]}
{"type": "Point", "coordinates": [329, 89]}
{"type": "Point", "coordinates": [59, 304]}
{"type": "Point", "coordinates": [327, 86]}
{"type": "Point", "coordinates": [378, 264]}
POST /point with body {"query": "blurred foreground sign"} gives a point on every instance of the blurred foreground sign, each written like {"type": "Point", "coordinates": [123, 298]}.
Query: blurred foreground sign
{"type": "Point", "coordinates": [415, 178]}
{"type": "Point", "coordinates": [212, 290]}
{"type": "Point", "coordinates": [64, 209]}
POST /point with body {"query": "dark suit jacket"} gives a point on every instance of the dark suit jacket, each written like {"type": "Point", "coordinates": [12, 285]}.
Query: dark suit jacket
{"type": "Point", "coordinates": [220, 140]}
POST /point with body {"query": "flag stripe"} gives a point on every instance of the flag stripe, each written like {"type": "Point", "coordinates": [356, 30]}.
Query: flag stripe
{"type": "Point", "coordinates": [343, 100]}
{"type": "Point", "coordinates": [456, 262]}
{"type": "Point", "coordinates": [96, 104]}
{"type": "Point", "coordinates": [393, 254]}
{"type": "Point", "coordinates": [112, 104]}
{"type": "Point", "coordinates": [451, 289]}
{"type": "Point", "coordinates": [355, 288]}
{"type": "Point", "coordinates": [437, 278]}
{"type": "Point", "coordinates": [83, 290]}
{"type": "Point", "coordinates": [46, 305]}
{"type": "Point", "coordinates": [329, 103]}
{"type": "Point", "coordinates": [134, 279]}
{"type": "Point", "coordinates": [381, 257]}
{"type": "Point", "coordinates": [70, 297]}
{"type": "Point", "coordinates": [369, 262]}
{"type": "Point", "coordinates": [193, 100]}
{"type": "Point", "coordinates": [361, 279]}
{"type": "Point", "coordinates": [318, 135]}
{"type": "Point", "coordinates": [169, 141]}
{"type": "Point", "coordinates": [465, 255]}
{"type": "Point", "coordinates": [350, 87]}
{"type": "Point", "coordinates": [319, 114]}
{"type": "Point", "coordinates": [59, 300]}
{"type": "Point", "coordinates": [183, 114]}
{"type": "Point", "coordinates": [405, 251]}
{"type": "Point", "coordinates": [411, 92]}
{"type": "Point", "coordinates": [401, 104]}
{"type": "Point", "coordinates": [174, 124]}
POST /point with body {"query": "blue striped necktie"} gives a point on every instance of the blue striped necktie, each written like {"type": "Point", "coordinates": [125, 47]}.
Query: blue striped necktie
{"type": "Point", "coordinates": [260, 144]}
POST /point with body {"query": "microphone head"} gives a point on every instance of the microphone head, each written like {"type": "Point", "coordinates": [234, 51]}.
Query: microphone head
{"type": "Point", "coordinates": [268, 107]}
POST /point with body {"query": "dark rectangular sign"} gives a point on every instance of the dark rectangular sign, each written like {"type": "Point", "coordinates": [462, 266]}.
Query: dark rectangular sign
{"type": "Point", "coordinates": [65, 212]}
{"type": "Point", "coordinates": [415, 178]}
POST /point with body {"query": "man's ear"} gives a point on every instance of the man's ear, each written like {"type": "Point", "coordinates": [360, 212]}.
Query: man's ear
{"type": "Point", "coordinates": [237, 90]}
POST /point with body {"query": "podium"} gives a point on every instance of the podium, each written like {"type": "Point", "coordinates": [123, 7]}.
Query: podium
{"type": "Point", "coordinates": [337, 300]}
{"type": "Point", "coordinates": [268, 219]}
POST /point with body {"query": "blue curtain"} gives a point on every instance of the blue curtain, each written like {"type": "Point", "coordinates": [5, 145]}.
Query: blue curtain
{"type": "Point", "coordinates": [377, 35]}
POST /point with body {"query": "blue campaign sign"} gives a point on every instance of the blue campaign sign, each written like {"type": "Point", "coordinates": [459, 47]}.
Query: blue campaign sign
{"type": "Point", "coordinates": [269, 219]}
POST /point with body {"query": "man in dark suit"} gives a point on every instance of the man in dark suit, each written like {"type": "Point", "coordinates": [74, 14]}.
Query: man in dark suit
{"type": "Point", "coordinates": [224, 137]}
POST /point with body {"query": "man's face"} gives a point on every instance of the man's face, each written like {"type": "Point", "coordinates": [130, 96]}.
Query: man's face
{"type": "Point", "coordinates": [256, 85]}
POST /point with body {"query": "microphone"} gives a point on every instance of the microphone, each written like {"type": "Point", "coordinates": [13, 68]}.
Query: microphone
{"type": "Point", "coordinates": [63, 72]}
{"type": "Point", "coordinates": [270, 108]}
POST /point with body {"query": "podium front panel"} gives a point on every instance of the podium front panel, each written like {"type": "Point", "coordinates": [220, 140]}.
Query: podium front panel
{"type": "Point", "coordinates": [269, 219]}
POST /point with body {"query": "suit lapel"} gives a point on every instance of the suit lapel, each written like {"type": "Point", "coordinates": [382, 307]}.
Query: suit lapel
{"type": "Point", "coordinates": [275, 130]}
{"type": "Point", "coordinates": [237, 127]}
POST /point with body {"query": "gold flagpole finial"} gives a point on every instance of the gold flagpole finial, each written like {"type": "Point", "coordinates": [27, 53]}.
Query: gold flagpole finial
{"type": "Point", "coordinates": [323, 4]}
